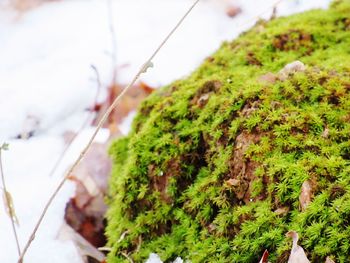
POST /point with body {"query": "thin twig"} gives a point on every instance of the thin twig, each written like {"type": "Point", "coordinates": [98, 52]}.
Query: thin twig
{"type": "Point", "coordinates": [82, 127]}
{"type": "Point", "coordinates": [142, 70]}
{"type": "Point", "coordinates": [12, 217]}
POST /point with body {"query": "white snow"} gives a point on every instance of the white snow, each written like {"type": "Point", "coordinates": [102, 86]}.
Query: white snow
{"type": "Point", "coordinates": [46, 83]}
{"type": "Point", "coordinates": [125, 126]}
{"type": "Point", "coordinates": [154, 258]}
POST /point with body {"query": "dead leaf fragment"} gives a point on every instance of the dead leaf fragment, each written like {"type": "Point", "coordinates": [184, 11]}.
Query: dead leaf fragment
{"type": "Point", "coordinates": [93, 171]}
{"type": "Point", "coordinates": [233, 182]}
{"type": "Point", "coordinates": [89, 224]}
{"type": "Point", "coordinates": [146, 88]}
{"type": "Point", "coordinates": [9, 206]}
{"type": "Point", "coordinates": [325, 133]}
{"type": "Point", "coordinates": [85, 211]}
{"type": "Point", "coordinates": [282, 210]}
{"type": "Point", "coordinates": [264, 257]}
{"type": "Point", "coordinates": [130, 102]}
{"type": "Point", "coordinates": [203, 99]}
{"type": "Point", "coordinates": [297, 254]}
{"type": "Point", "coordinates": [305, 195]}
{"type": "Point", "coordinates": [85, 249]}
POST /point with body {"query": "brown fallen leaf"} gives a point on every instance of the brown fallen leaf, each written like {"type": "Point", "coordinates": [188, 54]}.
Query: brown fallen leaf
{"type": "Point", "coordinates": [94, 170]}
{"type": "Point", "coordinates": [85, 211]}
{"type": "Point", "coordinates": [297, 254]}
{"type": "Point", "coordinates": [305, 195]}
{"type": "Point", "coordinates": [282, 211]}
{"type": "Point", "coordinates": [233, 182]}
{"type": "Point", "coordinates": [130, 102]}
{"type": "Point", "coordinates": [146, 88]}
{"type": "Point", "coordinates": [325, 133]}
{"type": "Point", "coordinates": [89, 221]}
{"type": "Point", "coordinates": [85, 249]}
{"type": "Point", "coordinates": [264, 257]}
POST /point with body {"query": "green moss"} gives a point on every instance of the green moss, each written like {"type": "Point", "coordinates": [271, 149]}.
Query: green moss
{"type": "Point", "coordinates": [213, 168]}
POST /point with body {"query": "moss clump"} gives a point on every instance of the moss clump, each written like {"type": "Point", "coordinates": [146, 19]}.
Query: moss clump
{"type": "Point", "coordinates": [214, 167]}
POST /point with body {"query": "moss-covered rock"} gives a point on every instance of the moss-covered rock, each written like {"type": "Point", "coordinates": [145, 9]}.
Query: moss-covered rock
{"type": "Point", "coordinates": [219, 166]}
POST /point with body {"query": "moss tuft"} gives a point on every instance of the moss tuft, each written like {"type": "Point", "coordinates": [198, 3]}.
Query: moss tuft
{"type": "Point", "coordinates": [214, 167]}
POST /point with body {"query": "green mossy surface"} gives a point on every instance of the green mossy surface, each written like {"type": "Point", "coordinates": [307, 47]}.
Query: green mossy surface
{"type": "Point", "coordinates": [214, 166]}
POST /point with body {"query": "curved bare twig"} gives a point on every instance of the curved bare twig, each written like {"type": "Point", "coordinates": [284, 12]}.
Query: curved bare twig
{"type": "Point", "coordinates": [142, 70]}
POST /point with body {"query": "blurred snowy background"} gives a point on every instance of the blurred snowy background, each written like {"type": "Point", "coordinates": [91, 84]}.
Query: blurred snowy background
{"type": "Point", "coordinates": [54, 54]}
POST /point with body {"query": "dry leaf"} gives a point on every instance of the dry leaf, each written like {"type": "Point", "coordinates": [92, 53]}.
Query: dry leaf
{"type": "Point", "coordinates": [325, 133]}
{"type": "Point", "coordinates": [146, 88]}
{"type": "Point", "coordinates": [85, 249]}
{"type": "Point", "coordinates": [297, 254]}
{"type": "Point", "coordinates": [85, 211]}
{"type": "Point", "coordinates": [94, 169]}
{"type": "Point", "coordinates": [264, 257]}
{"type": "Point", "coordinates": [305, 195]}
{"type": "Point", "coordinates": [88, 222]}
{"type": "Point", "coordinates": [130, 102]}
{"type": "Point", "coordinates": [9, 206]}
{"type": "Point", "coordinates": [282, 210]}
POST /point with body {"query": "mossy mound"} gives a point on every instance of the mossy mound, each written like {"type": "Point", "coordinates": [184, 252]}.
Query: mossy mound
{"type": "Point", "coordinates": [219, 166]}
